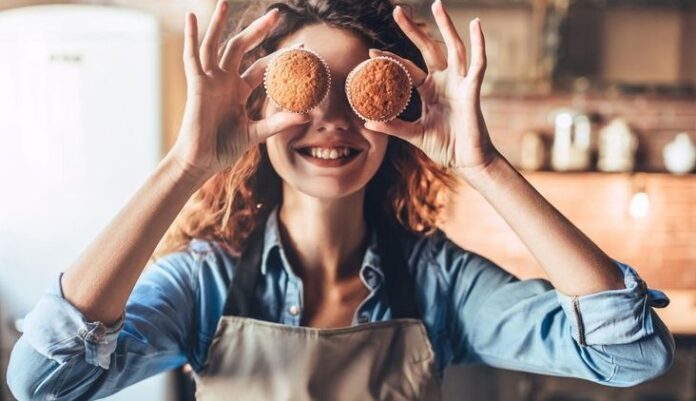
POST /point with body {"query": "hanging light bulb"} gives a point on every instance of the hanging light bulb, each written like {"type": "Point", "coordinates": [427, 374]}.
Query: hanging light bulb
{"type": "Point", "coordinates": [640, 205]}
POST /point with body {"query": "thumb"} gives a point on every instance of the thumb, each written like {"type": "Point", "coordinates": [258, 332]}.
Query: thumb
{"type": "Point", "coordinates": [275, 123]}
{"type": "Point", "coordinates": [409, 131]}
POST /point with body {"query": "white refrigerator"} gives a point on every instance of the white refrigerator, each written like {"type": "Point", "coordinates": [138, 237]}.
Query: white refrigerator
{"type": "Point", "coordinates": [80, 130]}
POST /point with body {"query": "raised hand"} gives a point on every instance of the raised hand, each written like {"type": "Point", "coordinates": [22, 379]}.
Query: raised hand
{"type": "Point", "coordinates": [216, 129]}
{"type": "Point", "coordinates": [451, 130]}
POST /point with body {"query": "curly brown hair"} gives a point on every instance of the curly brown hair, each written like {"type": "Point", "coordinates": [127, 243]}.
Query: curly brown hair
{"type": "Point", "coordinates": [407, 189]}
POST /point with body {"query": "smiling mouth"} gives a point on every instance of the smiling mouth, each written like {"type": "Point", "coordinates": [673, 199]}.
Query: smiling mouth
{"type": "Point", "coordinates": [329, 157]}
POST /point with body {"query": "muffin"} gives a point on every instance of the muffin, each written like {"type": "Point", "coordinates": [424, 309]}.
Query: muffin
{"type": "Point", "coordinates": [379, 89]}
{"type": "Point", "coordinates": [297, 80]}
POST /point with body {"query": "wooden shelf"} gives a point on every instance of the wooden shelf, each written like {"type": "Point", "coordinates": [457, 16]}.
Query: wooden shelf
{"type": "Point", "coordinates": [638, 175]}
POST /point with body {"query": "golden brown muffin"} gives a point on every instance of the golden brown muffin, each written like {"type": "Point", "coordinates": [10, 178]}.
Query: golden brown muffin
{"type": "Point", "coordinates": [379, 89]}
{"type": "Point", "coordinates": [297, 80]}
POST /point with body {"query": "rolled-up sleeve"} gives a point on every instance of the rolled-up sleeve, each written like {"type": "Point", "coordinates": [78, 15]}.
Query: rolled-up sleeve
{"type": "Point", "coordinates": [63, 356]}
{"type": "Point", "coordinates": [616, 316]}
{"type": "Point", "coordinates": [56, 329]}
{"type": "Point", "coordinates": [613, 337]}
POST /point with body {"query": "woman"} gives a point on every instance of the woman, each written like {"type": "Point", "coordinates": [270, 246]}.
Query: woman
{"type": "Point", "coordinates": [284, 279]}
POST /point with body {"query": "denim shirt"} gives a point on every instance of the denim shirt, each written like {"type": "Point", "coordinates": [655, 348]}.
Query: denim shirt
{"type": "Point", "coordinates": [473, 311]}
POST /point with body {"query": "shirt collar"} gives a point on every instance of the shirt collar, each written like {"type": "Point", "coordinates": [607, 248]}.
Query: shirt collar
{"type": "Point", "coordinates": [370, 272]}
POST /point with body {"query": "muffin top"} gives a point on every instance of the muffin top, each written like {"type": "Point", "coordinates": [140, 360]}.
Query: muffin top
{"type": "Point", "coordinates": [297, 80]}
{"type": "Point", "coordinates": [379, 89]}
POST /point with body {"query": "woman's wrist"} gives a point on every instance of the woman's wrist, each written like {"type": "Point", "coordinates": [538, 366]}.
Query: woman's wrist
{"type": "Point", "coordinates": [485, 174]}
{"type": "Point", "coordinates": [181, 175]}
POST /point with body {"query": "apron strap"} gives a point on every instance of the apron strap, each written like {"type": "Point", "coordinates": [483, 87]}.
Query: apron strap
{"type": "Point", "coordinates": [397, 277]}
{"type": "Point", "coordinates": [241, 291]}
{"type": "Point", "coordinates": [398, 283]}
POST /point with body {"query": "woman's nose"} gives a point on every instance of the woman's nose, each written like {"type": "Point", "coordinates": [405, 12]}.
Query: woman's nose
{"type": "Point", "coordinates": [334, 113]}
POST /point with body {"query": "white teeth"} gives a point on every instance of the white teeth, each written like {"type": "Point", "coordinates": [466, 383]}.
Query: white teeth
{"type": "Point", "coordinates": [329, 154]}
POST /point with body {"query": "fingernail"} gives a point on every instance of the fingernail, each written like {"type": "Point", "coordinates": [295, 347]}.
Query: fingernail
{"type": "Point", "coordinates": [272, 11]}
{"type": "Point", "coordinates": [377, 51]}
{"type": "Point", "coordinates": [223, 6]}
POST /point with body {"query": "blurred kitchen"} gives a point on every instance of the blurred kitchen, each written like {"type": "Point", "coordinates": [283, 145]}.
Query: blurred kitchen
{"type": "Point", "coordinates": [595, 100]}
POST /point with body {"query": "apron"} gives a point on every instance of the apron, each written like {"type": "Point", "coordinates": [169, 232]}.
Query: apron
{"type": "Point", "coordinates": [250, 359]}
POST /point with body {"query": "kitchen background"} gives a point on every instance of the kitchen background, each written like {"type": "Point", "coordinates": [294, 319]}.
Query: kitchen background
{"type": "Point", "coordinates": [595, 100]}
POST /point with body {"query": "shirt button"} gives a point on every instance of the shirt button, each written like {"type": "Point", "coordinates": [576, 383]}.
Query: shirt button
{"type": "Point", "coordinates": [294, 310]}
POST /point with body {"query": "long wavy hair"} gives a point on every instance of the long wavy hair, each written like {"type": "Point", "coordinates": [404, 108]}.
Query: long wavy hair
{"type": "Point", "coordinates": [407, 189]}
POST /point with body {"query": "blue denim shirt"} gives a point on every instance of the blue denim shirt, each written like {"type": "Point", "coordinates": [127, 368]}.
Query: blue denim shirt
{"type": "Point", "coordinates": [474, 312]}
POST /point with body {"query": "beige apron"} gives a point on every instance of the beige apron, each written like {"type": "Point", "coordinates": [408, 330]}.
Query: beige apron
{"type": "Point", "coordinates": [250, 359]}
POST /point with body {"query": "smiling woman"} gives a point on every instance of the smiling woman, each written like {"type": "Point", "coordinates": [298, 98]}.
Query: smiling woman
{"type": "Point", "coordinates": [248, 191]}
{"type": "Point", "coordinates": [307, 262]}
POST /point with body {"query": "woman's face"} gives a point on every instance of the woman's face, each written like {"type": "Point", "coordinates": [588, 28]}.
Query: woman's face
{"type": "Point", "coordinates": [333, 125]}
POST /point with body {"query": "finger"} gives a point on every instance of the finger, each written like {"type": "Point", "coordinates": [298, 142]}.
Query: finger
{"type": "Point", "coordinates": [246, 40]}
{"type": "Point", "coordinates": [456, 51]}
{"type": "Point", "coordinates": [408, 131]}
{"type": "Point", "coordinates": [253, 76]}
{"type": "Point", "coordinates": [433, 55]}
{"type": "Point", "coordinates": [260, 130]}
{"type": "Point", "coordinates": [478, 51]}
{"type": "Point", "coordinates": [192, 60]}
{"type": "Point", "coordinates": [209, 46]}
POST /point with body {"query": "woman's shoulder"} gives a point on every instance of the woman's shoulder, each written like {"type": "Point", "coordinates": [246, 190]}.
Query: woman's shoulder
{"type": "Point", "coordinates": [431, 246]}
{"type": "Point", "coordinates": [438, 252]}
{"type": "Point", "coordinates": [198, 259]}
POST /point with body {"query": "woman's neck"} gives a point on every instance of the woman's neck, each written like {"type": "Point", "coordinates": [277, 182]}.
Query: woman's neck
{"type": "Point", "coordinates": [324, 239]}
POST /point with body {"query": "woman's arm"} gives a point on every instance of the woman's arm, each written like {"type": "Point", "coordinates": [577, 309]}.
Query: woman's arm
{"type": "Point", "coordinates": [63, 356]}
{"type": "Point", "coordinates": [102, 279]}
{"type": "Point", "coordinates": [574, 264]}
{"type": "Point", "coordinates": [612, 337]}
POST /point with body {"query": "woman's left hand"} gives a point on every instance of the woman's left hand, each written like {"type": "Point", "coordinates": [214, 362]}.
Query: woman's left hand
{"type": "Point", "coordinates": [451, 129]}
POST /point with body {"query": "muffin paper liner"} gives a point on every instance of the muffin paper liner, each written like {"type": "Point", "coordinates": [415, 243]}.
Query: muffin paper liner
{"type": "Point", "coordinates": [361, 66]}
{"type": "Point", "coordinates": [296, 47]}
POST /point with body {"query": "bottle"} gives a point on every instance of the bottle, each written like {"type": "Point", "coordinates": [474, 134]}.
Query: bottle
{"type": "Point", "coordinates": [679, 155]}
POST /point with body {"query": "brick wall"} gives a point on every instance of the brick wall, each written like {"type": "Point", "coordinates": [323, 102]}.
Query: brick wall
{"type": "Point", "coordinates": [661, 246]}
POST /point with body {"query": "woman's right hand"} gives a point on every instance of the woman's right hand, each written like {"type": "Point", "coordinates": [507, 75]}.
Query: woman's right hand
{"type": "Point", "coordinates": [216, 130]}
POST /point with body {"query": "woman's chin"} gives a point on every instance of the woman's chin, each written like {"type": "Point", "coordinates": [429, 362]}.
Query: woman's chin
{"type": "Point", "coordinates": [327, 188]}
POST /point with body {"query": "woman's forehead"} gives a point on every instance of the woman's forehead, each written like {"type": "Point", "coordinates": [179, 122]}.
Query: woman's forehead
{"type": "Point", "coordinates": [341, 49]}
